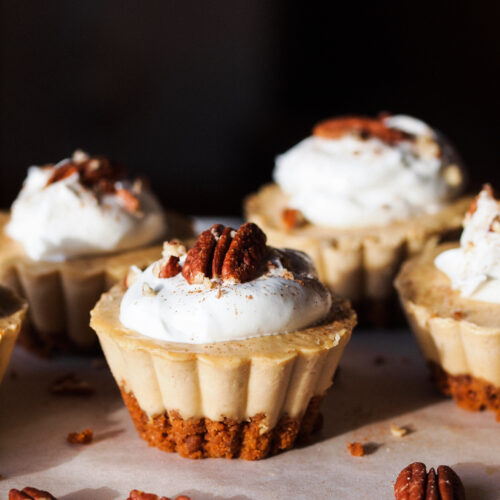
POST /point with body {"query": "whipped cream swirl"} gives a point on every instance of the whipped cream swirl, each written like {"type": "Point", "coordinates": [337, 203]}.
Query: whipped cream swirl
{"type": "Point", "coordinates": [352, 181]}
{"type": "Point", "coordinates": [57, 221]}
{"type": "Point", "coordinates": [279, 301]}
{"type": "Point", "coordinates": [474, 267]}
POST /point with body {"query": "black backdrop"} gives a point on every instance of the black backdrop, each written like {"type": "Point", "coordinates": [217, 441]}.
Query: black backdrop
{"type": "Point", "coordinates": [200, 96]}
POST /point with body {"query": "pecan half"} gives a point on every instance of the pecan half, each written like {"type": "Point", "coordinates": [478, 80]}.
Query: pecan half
{"type": "Point", "coordinates": [362, 126]}
{"type": "Point", "coordinates": [219, 254]}
{"type": "Point", "coordinates": [198, 264]}
{"type": "Point", "coordinates": [414, 483]}
{"type": "Point", "coordinates": [245, 255]}
{"type": "Point", "coordinates": [30, 493]}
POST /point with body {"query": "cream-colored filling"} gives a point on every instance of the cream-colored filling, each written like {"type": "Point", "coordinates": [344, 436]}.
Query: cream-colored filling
{"type": "Point", "coordinates": [271, 375]}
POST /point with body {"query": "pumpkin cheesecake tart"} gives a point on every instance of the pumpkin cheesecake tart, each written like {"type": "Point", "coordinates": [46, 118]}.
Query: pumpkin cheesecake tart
{"type": "Point", "coordinates": [226, 350]}
{"type": "Point", "coordinates": [72, 232]}
{"type": "Point", "coordinates": [12, 313]}
{"type": "Point", "coordinates": [451, 296]}
{"type": "Point", "coordinates": [359, 196]}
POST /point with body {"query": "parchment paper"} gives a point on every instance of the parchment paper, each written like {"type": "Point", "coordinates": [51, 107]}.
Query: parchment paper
{"type": "Point", "coordinates": [364, 400]}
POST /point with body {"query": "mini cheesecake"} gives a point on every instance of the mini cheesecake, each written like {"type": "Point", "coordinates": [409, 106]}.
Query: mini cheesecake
{"type": "Point", "coordinates": [361, 195]}
{"type": "Point", "coordinates": [244, 398]}
{"type": "Point", "coordinates": [451, 296]}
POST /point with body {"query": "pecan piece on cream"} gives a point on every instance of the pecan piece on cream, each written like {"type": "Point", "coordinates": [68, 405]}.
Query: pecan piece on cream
{"type": "Point", "coordinates": [362, 126]}
{"type": "Point", "coordinates": [30, 493]}
{"type": "Point", "coordinates": [198, 264]}
{"type": "Point", "coordinates": [219, 252]}
{"type": "Point", "coordinates": [414, 483]}
{"type": "Point", "coordinates": [292, 218]}
{"type": "Point", "coordinates": [244, 257]}
{"type": "Point", "coordinates": [169, 266]}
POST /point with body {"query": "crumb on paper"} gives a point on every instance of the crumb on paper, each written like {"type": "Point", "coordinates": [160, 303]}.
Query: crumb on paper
{"type": "Point", "coordinates": [84, 437]}
{"type": "Point", "coordinates": [142, 495]}
{"type": "Point", "coordinates": [356, 449]}
{"type": "Point", "coordinates": [71, 385]}
{"type": "Point", "coordinates": [398, 431]}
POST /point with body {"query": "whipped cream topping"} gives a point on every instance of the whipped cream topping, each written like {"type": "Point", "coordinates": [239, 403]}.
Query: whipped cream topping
{"type": "Point", "coordinates": [281, 300]}
{"type": "Point", "coordinates": [474, 267]}
{"type": "Point", "coordinates": [351, 181]}
{"type": "Point", "coordinates": [56, 221]}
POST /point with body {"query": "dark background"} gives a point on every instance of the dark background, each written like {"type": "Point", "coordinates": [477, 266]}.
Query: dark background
{"type": "Point", "coordinates": [200, 96]}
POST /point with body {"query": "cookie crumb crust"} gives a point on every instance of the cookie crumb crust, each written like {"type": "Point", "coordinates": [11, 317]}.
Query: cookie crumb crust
{"type": "Point", "coordinates": [469, 392]}
{"type": "Point", "coordinates": [227, 438]}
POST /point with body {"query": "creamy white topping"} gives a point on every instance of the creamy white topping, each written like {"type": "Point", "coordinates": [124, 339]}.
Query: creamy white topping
{"type": "Point", "coordinates": [474, 267]}
{"type": "Point", "coordinates": [355, 182]}
{"type": "Point", "coordinates": [279, 301]}
{"type": "Point", "coordinates": [65, 220]}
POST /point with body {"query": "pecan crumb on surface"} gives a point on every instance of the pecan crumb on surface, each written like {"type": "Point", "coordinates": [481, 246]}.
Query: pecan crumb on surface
{"type": "Point", "coordinates": [415, 483]}
{"type": "Point", "coordinates": [84, 437]}
{"type": "Point", "coordinates": [71, 385]}
{"type": "Point", "coordinates": [356, 449]}
{"type": "Point", "coordinates": [141, 495]}
{"type": "Point", "coordinates": [30, 493]}
{"type": "Point", "coordinates": [398, 431]}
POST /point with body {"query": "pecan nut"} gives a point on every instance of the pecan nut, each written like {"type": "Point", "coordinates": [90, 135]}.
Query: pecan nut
{"type": "Point", "coordinates": [414, 483]}
{"type": "Point", "coordinates": [30, 493]}
{"type": "Point", "coordinates": [362, 126]}
{"type": "Point", "coordinates": [222, 252]}
{"type": "Point", "coordinates": [292, 218]}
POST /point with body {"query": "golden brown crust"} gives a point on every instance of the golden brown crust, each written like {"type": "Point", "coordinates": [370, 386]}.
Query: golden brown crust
{"type": "Point", "coordinates": [228, 438]}
{"type": "Point", "coordinates": [469, 392]}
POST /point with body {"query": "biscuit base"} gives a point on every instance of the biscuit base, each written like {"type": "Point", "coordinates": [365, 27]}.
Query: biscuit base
{"type": "Point", "coordinates": [228, 438]}
{"type": "Point", "coordinates": [469, 392]}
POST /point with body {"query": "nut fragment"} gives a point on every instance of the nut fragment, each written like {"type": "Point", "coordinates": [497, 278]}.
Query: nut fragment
{"type": "Point", "coordinates": [130, 201]}
{"type": "Point", "coordinates": [169, 266]}
{"type": "Point", "coordinates": [398, 431]}
{"type": "Point", "coordinates": [362, 126]}
{"type": "Point", "coordinates": [141, 495]}
{"type": "Point", "coordinates": [30, 493]}
{"type": "Point", "coordinates": [147, 291]}
{"type": "Point", "coordinates": [414, 483]}
{"type": "Point", "coordinates": [292, 218]}
{"type": "Point", "coordinates": [356, 449]}
{"type": "Point", "coordinates": [84, 437]}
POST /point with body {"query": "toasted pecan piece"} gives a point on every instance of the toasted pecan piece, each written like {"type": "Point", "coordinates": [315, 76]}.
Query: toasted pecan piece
{"type": "Point", "coordinates": [414, 483]}
{"type": "Point", "coordinates": [220, 251]}
{"type": "Point", "coordinates": [363, 126]}
{"type": "Point", "coordinates": [356, 449]}
{"type": "Point", "coordinates": [30, 493]}
{"type": "Point", "coordinates": [245, 254]}
{"type": "Point", "coordinates": [292, 218]}
{"type": "Point", "coordinates": [198, 262]}
{"type": "Point", "coordinates": [141, 495]}
{"type": "Point", "coordinates": [84, 437]}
